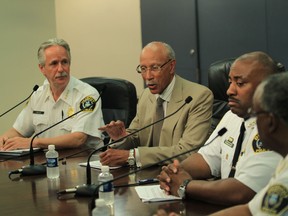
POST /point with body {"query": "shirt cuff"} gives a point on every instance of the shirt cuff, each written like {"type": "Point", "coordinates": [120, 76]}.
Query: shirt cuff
{"type": "Point", "coordinates": [137, 157]}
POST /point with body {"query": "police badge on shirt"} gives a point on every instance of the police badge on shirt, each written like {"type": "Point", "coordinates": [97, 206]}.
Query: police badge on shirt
{"type": "Point", "coordinates": [88, 104]}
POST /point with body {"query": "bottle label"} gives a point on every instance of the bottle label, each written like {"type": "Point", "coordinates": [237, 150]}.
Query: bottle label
{"type": "Point", "coordinates": [108, 187]}
{"type": "Point", "coordinates": [52, 162]}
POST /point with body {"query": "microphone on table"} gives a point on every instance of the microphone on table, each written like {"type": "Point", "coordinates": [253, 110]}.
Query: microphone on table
{"type": "Point", "coordinates": [39, 169]}
{"type": "Point", "coordinates": [88, 188]}
{"type": "Point", "coordinates": [220, 133]}
{"type": "Point", "coordinates": [34, 89]}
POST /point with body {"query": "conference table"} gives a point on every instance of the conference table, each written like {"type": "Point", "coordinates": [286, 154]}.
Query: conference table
{"type": "Point", "coordinates": [37, 195]}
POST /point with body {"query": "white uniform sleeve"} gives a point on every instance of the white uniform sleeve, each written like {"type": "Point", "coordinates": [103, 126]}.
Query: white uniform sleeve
{"type": "Point", "coordinates": [212, 152]}
{"type": "Point", "coordinates": [24, 121]}
{"type": "Point", "coordinates": [258, 170]}
{"type": "Point", "coordinates": [273, 199]}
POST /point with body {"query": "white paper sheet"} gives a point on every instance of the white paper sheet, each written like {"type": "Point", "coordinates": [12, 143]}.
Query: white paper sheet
{"type": "Point", "coordinates": [97, 165]}
{"type": "Point", "coordinates": [153, 193]}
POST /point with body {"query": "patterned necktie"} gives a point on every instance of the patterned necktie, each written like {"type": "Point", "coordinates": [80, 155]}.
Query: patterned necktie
{"type": "Point", "coordinates": [237, 150]}
{"type": "Point", "coordinates": [159, 114]}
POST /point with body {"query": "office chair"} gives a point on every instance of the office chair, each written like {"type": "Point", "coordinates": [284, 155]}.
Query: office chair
{"type": "Point", "coordinates": [119, 99]}
{"type": "Point", "coordinates": [218, 83]}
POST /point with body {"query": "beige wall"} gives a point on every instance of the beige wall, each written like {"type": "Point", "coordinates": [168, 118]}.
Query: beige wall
{"type": "Point", "coordinates": [23, 26]}
{"type": "Point", "coordinates": [104, 35]}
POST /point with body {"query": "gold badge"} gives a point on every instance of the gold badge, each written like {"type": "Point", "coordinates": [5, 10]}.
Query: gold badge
{"type": "Point", "coordinates": [70, 111]}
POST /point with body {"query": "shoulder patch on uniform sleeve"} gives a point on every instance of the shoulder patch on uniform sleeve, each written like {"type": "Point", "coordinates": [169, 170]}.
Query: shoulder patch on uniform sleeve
{"type": "Point", "coordinates": [257, 145]}
{"type": "Point", "coordinates": [88, 103]}
{"type": "Point", "coordinates": [275, 201]}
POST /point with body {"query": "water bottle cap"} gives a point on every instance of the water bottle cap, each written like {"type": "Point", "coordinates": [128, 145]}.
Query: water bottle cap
{"type": "Point", "coordinates": [51, 147]}
{"type": "Point", "coordinates": [104, 168]}
{"type": "Point", "coordinates": [100, 202]}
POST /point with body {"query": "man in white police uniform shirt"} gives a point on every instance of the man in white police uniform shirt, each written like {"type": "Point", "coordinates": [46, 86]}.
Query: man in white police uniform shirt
{"type": "Point", "coordinates": [270, 105]}
{"type": "Point", "coordinates": [255, 164]}
{"type": "Point", "coordinates": [60, 96]}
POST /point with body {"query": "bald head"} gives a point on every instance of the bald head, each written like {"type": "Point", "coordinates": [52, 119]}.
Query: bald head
{"type": "Point", "coordinates": [246, 73]}
{"type": "Point", "coordinates": [161, 56]}
{"type": "Point", "coordinates": [267, 64]}
{"type": "Point", "coordinates": [160, 47]}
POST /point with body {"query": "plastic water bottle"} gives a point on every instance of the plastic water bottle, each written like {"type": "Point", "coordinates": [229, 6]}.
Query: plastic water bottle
{"type": "Point", "coordinates": [52, 162]}
{"type": "Point", "coordinates": [101, 209]}
{"type": "Point", "coordinates": [106, 191]}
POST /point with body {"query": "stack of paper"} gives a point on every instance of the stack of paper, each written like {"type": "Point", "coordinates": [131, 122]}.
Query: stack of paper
{"type": "Point", "coordinates": [153, 193]}
{"type": "Point", "coordinates": [97, 165]}
{"type": "Point", "coordinates": [18, 152]}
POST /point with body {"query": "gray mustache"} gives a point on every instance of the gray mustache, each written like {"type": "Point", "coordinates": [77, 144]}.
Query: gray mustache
{"type": "Point", "coordinates": [150, 83]}
{"type": "Point", "coordinates": [62, 74]}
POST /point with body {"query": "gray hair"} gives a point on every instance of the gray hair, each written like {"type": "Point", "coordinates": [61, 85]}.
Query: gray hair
{"type": "Point", "coordinates": [274, 97]}
{"type": "Point", "coordinates": [49, 43]}
{"type": "Point", "coordinates": [169, 50]}
{"type": "Point", "coordinates": [265, 60]}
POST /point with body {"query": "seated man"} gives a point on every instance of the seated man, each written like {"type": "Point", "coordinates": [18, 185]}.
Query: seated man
{"type": "Point", "coordinates": [243, 172]}
{"type": "Point", "coordinates": [184, 130]}
{"type": "Point", "coordinates": [270, 106]}
{"type": "Point", "coordinates": [59, 97]}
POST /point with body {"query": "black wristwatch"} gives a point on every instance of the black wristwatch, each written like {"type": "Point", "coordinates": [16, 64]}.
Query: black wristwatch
{"type": "Point", "coordinates": [131, 159]}
{"type": "Point", "coordinates": [182, 189]}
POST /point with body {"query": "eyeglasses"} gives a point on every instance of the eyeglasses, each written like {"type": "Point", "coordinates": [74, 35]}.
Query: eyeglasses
{"type": "Point", "coordinates": [154, 68]}
{"type": "Point", "coordinates": [252, 113]}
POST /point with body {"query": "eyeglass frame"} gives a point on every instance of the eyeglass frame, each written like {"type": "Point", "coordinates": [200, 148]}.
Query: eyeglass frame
{"type": "Point", "coordinates": [252, 113]}
{"type": "Point", "coordinates": [159, 68]}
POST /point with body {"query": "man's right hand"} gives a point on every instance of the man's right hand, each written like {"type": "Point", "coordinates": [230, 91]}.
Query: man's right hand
{"type": "Point", "coordinates": [171, 177]}
{"type": "Point", "coordinates": [115, 130]}
{"type": "Point", "coordinates": [164, 176]}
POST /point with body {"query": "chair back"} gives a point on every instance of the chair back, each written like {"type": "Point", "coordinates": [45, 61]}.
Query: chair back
{"type": "Point", "coordinates": [218, 83]}
{"type": "Point", "coordinates": [119, 98]}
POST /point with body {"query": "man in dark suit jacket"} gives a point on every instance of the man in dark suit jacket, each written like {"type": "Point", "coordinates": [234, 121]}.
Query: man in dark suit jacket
{"type": "Point", "coordinates": [186, 129]}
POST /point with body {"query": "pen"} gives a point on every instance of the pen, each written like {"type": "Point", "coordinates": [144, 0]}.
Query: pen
{"type": "Point", "coordinates": [139, 182]}
{"type": "Point", "coordinates": [147, 181]}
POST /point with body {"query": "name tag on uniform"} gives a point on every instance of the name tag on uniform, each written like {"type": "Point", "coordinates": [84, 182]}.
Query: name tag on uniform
{"type": "Point", "coordinates": [229, 142]}
{"type": "Point", "coordinates": [38, 112]}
